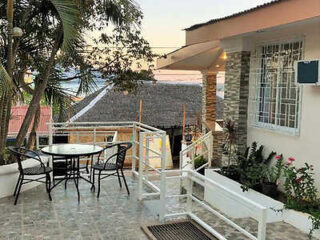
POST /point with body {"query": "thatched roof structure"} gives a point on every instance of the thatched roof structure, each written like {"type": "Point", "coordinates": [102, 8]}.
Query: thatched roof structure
{"type": "Point", "coordinates": [162, 105]}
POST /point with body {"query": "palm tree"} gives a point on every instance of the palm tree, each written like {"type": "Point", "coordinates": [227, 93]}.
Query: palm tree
{"type": "Point", "coordinates": [53, 30]}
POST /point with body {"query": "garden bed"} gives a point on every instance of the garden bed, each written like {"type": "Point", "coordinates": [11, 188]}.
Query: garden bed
{"type": "Point", "coordinates": [9, 175]}
{"type": "Point", "coordinates": [234, 208]}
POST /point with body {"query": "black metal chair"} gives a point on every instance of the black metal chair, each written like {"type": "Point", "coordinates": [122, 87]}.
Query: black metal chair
{"type": "Point", "coordinates": [112, 166]}
{"type": "Point", "coordinates": [42, 169]}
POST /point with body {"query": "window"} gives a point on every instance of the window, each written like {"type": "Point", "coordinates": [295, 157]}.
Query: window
{"type": "Point", "coordinates": [277, 100]}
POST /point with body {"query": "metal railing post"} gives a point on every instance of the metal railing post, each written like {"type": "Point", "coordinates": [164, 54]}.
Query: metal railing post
{"type": "Point", "coordinates": [141, 159]}
{"type": "Point", "coordinates": [163, 178]}
{"type": "Point", "coordinates": [189, 193]}
{"type": "Point", "coordinates": [147, 158]}
{"type": "Point", "coordinates": [210, 151]}
{"type": "Point", "coordinates": [37, 141]}
{"type": "Point", "coordinates": [50, 133]}
{"type": "Point", "coordinates": [94, 136]}
{"type": "Point", "coordinates": [262, 225]}
{"type": "Point", "coordinates": [134, 148]}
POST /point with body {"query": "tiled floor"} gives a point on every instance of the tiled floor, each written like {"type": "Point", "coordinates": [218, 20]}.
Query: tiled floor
{"type": "Point", "coordinates": [113, 216]}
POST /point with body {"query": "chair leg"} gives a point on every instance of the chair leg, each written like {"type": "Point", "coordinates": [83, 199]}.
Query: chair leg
{"type": "Point", "coordinates": [99, 179]}
{"type": "Point", "coordinates": [93, 188]}
{"type": "Point", "coordinates": [18, 191]}
{"type": "Point", "coordinates": [48, 185]}
{"type": "Point", "coordinates": [16, 188]}
{"type": "Point", "coordinates": [119, 179]}
{"type": "Point", "coordinates": [125, 182]}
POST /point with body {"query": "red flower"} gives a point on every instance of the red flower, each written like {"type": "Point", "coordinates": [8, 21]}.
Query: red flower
{"type": "Point", "coordinates": [288, 163]}
{"type": "Point", "coordinates": [291, 159]}
{"type": "Point", "coordinates": [299, 179]}
{"type": "Point", "coordinates": [278, 157]}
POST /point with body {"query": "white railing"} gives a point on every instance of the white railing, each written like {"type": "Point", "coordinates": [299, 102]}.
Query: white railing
{"type": "Point", "coordinates": [201, 147]}
{"type": "Point", "coordinates": [192, 176]}
{"type": "Point", "coordinates": [142, 137]}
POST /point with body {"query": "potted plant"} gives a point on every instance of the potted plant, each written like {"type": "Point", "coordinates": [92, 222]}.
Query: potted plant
{"type": "Point", "coordinates": [199, 161]}
{"type": "Point", "coordinates": [272, 178]}
{"type": "Point", "coordinates": [252, 167]}
{"type": "Point", "coordinates": [230, 148]}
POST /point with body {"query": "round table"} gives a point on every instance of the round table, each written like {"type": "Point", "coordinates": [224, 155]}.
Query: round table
{"type": "Point", "coordinates": [72, 153]}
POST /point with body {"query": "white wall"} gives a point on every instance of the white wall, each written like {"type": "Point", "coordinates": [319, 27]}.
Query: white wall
{"type": "Point", "coordinates": [306, 146]}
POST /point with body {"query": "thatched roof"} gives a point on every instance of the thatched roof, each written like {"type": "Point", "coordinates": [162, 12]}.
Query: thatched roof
{"type": "Point", "coordinates": [162, 105]}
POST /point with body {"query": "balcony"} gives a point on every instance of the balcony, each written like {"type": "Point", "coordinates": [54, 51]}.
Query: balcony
{"type": "Point", "coordinates": [155, 196]}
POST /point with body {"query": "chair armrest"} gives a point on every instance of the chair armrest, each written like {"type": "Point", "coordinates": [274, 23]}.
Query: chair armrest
{"type": "Point", "coordinates": [34, 156]}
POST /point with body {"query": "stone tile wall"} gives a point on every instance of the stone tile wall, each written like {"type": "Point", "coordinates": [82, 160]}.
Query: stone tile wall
{"type": "Point", "coordinates": [236, 93]}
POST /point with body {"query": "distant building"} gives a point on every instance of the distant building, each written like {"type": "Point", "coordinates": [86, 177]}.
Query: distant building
{"type": "Point", "coordinates": [18, 114]}
{"type": "Point", "coordinates": [162, 107]}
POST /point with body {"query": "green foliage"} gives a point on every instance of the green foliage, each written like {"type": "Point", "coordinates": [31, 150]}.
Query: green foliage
{"type": "Point", "coordinates": [6, 84]}
{"type": "Point", "coordinates": [301, 193]}
{"type": "Point", "coordinates": [299, 186]}
{"type": "Point", "coordinates": [230, 146]}
{"type": "Point", "coordinates": [274, 173]}
{"type": "Point", "coordinates": [252, 165]}
{"type": "Point", "coordinates": [315, 219]}
{"type": "Point", "coordinates": [199, 161]}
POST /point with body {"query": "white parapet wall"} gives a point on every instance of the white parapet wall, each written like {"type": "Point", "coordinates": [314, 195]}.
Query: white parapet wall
{"type": "Point", "coordinates": [9, 175]}
{"type": "Point", "coordinates": [232, 207]}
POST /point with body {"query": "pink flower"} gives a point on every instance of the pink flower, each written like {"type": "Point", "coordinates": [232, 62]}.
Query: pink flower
{"type": "Point", "coordinates": [291, 159]}
{"type": "Point", "coordinates": [278, 157]}
{"type": "Point", "coordinates": [278, 182]}
{"type": "Point", "coordinates": [288, 163]}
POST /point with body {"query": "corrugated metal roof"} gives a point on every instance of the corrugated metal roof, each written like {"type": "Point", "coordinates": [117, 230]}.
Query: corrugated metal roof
{"type": "Point", "coordinates": [233, 15]}
{"type": "Point", "coordinates": [19, 112]}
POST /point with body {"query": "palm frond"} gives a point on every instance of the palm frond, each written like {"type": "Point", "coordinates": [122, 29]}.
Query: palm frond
{"type": "Point", "coordinates": [6, 84]}
{"type": "Point", "coordinates": [70, 17]}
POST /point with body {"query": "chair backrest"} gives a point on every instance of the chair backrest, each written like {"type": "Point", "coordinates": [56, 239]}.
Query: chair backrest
{"type": "Point", "coordinates": [121, 154]}
{"type": "Point", "coordinates": [21, 153]}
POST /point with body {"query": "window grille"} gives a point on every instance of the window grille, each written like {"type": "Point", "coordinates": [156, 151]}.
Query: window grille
{"type": "Point", "coordinates": [276, 97]}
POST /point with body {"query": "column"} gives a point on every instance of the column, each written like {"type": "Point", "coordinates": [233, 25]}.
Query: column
{"type": "Point", "coordinates": [236, 91]}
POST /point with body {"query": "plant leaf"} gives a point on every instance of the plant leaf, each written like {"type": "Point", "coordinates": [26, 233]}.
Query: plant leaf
{"type": "Point", "coordinates": [69, 15]}
{"type": "Point", "coordinates": [6, 84]}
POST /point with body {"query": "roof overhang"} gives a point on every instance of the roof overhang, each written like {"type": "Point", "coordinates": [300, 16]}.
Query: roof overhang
{"type": "Point", "coordinates": [200, 57]}
{"type": "Point", "coordinates": [275, 14]}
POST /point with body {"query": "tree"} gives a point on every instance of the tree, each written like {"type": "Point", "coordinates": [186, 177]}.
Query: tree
{"type": "Point", "coordinates": [55, 40]}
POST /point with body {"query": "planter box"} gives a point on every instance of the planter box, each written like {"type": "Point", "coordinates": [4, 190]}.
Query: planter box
{"type": "Point", "coordinates": [9, 175]}
{"type": "Point", "coordinates": [232, 207]}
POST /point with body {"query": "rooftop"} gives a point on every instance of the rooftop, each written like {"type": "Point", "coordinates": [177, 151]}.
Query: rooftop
{"type": "Point", "coordinates": [18, 113]}
{"type": "Point", "coordinates": [162, 105]}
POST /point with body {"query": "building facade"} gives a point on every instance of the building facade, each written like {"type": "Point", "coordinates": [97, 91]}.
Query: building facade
{"type": "Point", "coordinates": [258, 50]}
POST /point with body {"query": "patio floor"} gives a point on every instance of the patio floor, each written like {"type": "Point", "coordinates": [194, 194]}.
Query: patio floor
{"type": "Point", "coordinates": [113, 216]}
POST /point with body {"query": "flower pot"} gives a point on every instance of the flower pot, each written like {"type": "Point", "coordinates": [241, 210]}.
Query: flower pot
{"type": "Point", "coordinates": [231, 172]}
{"type": "Point", "coordinates": [270, 189]}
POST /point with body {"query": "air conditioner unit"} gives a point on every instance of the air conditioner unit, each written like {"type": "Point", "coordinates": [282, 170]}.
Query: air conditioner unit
{"type": "Point", "coordinates": [308, 72]}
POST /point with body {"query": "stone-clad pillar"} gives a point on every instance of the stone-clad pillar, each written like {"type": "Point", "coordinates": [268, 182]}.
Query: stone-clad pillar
{"type": "Point", "coordinates": [236, 92]}
{"type": "Point", "coordinates": [209, 110]}
{"type": "Point", "coordinates": [209, 99]}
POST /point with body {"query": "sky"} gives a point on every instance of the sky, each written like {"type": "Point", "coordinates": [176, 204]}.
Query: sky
{"type": "Point", "coordinates": [164, 21]}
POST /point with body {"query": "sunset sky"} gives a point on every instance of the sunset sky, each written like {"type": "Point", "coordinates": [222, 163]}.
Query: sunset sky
{"type": "Point", "coordinates": [164, 21]}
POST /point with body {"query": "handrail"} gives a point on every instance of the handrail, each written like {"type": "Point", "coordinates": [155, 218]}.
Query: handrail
{"type": "Point", "coordinates": [207, 135]}
{"type": "Point", "coordinates": [194, 176]}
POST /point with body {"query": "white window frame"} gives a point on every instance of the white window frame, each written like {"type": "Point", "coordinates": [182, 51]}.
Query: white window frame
{"type": "Point", "coordinates": [255, 80]}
